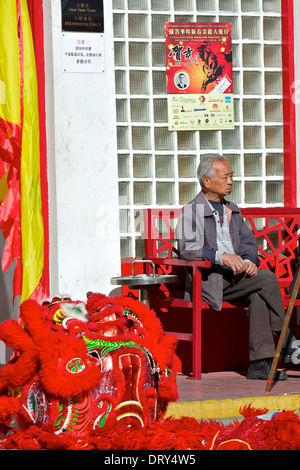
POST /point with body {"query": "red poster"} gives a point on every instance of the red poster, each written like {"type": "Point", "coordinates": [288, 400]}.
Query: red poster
{"type": "Point", "coordinates": [199, 76]}
{"type": "Point", "coordinates": [198, 58]}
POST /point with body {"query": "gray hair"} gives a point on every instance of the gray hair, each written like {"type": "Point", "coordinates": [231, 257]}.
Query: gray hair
{"type": "Point", "coordinates": [205, 166]}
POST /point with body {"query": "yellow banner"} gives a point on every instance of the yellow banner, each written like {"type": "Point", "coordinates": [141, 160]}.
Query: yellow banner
{"type": "Point", "coordinates": [19, 107]}
{"type": "Point", "coordinates": [9, 63]}
{"type": "Point", "coordinates": [32, 227]}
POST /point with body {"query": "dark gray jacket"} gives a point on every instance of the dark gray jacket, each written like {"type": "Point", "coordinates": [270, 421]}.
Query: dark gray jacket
{"type": "Point", "coordinates": [197, 239]}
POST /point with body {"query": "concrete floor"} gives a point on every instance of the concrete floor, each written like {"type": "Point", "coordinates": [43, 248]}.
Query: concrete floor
{"type": "Point", "coordinates": [222, 394]}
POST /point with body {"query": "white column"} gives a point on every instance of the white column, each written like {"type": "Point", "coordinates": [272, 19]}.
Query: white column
{"type": "Point", "coordinates": [82, 166]}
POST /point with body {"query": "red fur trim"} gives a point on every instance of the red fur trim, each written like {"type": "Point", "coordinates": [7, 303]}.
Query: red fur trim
{"type": "Point", "coordinates": [13, 335]}
{"type": "Point", "coordinates": [36, 439]}
{"type": "Point", "coordinates": [163, 352]}
{"type": "Point", "coordinates": [283, 431]}
{"type": "Point", "coordinates": [166, 391]}
{"type": "Point", "coordinates": [58, 351]}
{"type": "Point", "coordinates": [170, 434]}
{"type": "Point", "coordinates": [8, 408]}
{"type": "Point", "coordinates": [17, 374]}
{"type": "Point", "coordinates": [31, 314]}
{"type": "Point", "coordinates": [147, 316]}
{"type": "Point", "coordinates": [96, 301]}
{"type": "Point", "coordinates": [248, 411]}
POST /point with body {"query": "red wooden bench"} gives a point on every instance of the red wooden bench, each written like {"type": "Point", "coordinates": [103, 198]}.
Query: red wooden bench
{"type": "Point", "coordinates": [277, 232]}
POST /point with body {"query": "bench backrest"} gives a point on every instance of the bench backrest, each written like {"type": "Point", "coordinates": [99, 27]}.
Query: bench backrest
{"type": "Point", "coordinates": [276, 230]}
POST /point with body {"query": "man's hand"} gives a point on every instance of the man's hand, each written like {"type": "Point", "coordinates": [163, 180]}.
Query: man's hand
{"type": "Point", "coordinates": [235, 262]}
{"type": "Point", "coordinates": [238, 265]}
{"type": "Point", "coordinates": [251, 269]}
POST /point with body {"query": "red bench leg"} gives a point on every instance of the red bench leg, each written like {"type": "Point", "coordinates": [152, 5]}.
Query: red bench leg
{"type": "Point", "coordinates": [197, 324]}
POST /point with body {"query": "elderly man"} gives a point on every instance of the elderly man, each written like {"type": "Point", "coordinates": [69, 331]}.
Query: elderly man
{"type": "Point", "coordinates": [211, 228]}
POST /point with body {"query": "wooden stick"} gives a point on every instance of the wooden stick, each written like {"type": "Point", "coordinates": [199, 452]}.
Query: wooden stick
{"type": "Point", "coordinates": [283, 333]}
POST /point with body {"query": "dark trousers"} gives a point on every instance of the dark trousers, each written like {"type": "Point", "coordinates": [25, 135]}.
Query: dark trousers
{"type": "Point", "coordinates": [262, 296]}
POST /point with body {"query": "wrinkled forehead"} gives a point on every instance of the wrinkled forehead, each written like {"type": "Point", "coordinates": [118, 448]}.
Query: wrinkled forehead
{"type": "Point", "coordinates": [222, 168]}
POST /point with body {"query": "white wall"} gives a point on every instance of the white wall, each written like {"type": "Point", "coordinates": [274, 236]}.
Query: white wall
{"type": "Point", "coordinates": [82, 167]}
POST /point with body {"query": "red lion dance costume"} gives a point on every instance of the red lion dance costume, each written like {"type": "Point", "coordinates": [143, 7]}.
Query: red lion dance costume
{"type": "Point", "coordinates": [99, 375]}
{"type": "Point", "coordinates": [79, 367]}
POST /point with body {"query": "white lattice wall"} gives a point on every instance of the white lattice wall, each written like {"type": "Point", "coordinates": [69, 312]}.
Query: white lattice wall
{"type": "Point", "coordinates": [158, 167]}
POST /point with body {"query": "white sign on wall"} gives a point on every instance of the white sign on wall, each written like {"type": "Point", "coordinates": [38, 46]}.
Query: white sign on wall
{"type": "Point", "coordinates": [83, 52]}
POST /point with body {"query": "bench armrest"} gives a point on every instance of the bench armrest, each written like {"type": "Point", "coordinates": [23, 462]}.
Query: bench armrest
{"type": "Point", "coordinates": [181, 262]}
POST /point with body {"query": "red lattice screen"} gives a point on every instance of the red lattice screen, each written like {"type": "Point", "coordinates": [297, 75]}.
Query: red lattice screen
{"type": "Point", "coordinates": [277, 232]}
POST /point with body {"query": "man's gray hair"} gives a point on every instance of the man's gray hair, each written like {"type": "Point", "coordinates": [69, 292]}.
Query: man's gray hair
{"type": "Point", "coordinates": [205, 166]}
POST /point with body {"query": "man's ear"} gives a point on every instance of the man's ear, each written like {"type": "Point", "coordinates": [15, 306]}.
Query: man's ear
{"type": "Point", "coordinates": [206, 181]}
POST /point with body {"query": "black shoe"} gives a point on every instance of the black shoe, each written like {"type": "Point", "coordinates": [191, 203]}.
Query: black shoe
{"type": "Point", "coordinates": [261, 370]}
{"type": "Point", "coordinates": [287, 349]}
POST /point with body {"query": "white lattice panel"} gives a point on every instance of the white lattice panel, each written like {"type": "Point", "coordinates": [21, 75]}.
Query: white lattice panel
{"type": "Point", "coordinates": [158, 167]}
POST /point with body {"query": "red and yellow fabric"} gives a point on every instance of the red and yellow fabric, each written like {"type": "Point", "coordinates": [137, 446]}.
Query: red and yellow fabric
{"type": "Point", "coordinates": [21, 219]}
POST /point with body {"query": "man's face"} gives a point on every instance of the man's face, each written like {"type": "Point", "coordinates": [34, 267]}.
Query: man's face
{"type": "Point", "coordinates": [221, 184]}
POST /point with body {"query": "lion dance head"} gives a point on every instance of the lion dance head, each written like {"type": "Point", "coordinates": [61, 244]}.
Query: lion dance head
{"type": "Point", "coordinates": [80, 367]}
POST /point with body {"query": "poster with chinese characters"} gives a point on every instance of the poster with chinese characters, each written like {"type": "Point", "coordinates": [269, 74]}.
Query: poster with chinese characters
{"type": "Point", "coordinates": [83, 52]}
{"type": "Point", "coordinates": [199, 76]}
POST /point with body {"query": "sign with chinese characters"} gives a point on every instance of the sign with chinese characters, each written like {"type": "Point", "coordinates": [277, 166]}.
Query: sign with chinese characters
{"type": "Point", "coordinates": [82, 16]}
{"type": "Point", "coordinates": [83, 52]}
{"type": "Point", "coordinates": [199, 76]}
